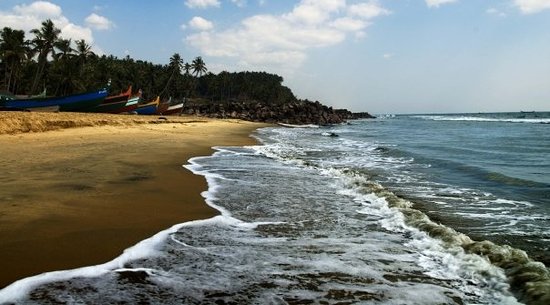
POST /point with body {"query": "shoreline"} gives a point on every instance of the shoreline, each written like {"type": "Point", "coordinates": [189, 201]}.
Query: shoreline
{"type": "Point", "coordinates": [80, 196]}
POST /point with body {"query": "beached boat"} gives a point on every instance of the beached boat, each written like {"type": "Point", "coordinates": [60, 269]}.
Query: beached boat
{"type": "Point", "coordinates": [123, 96]}
{"type": "Point", "coordinates": [131, 105]}
{"type": "Point", "coordinates": [163, 107]}
{"type": "Point", "coordinates": [173, 109]}
{"type": "Point", "coordinates": [113, 103]}
{"type": "Point", "coordinates": [149, 108]}
{"type": "Point", "coordinates": [74, 102]}
{"type": "Point", "coordinates": [114, 107]}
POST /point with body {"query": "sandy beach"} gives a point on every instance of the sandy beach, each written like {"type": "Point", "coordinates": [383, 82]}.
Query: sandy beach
{"type": "Point", "coordinates": [73, 197]}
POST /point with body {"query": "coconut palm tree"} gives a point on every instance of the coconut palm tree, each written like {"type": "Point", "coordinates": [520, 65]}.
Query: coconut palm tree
{"type": "Point", "coordinates": [65, 50]}
{"type": "Point", "coordinates": [198, 66]}
{"type": "Point", "coordinates": [44, 44]}
{"type": "Point", "coordinates": [83, 54]}
{"type": "Point", "coordinates": [83, 51]}
{"type": "Point", "coordinates": [13, 52]}
{"type": "Point", "coordinates": [176, 64]}
{"type": "Point", "coordinates": [187, 68]}
{"type": "Point", "coordinates": [64, 72]}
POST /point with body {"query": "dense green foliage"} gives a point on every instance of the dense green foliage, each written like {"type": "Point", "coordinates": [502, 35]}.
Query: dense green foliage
{"type": "Point", "coordinates": [49, 62]}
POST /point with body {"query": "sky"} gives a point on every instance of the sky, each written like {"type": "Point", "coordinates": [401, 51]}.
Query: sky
{"type": "Point", "coordinates": [380, 56]}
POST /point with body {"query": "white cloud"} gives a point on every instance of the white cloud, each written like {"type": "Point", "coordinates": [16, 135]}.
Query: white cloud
{"type": "Point", "coordinates": [532, 6]}
{"type": "Point", "coordinates": [98, 22]}
{"type": "Point", "coordinates": [368, 10]}
{"type": "Point", "coordinates": [202, 3]}
{"type": "Point", "coordinates": [437, 3]}
{"type": "Point", "coordinates": [281, 42]}
{"type": "Point", "coordinates": [76, 32]}
{"type": "Point", "coordinates": [201, 24]}
{"type": "Point", "coordinates": [27, 17]}
{"type": "Point", "coordinates": [349, 24]}
{"type": "Point", "coordinates": [387, 56]}
{"type": "Point", "coordinates": [314, 11]}
{"type": "Point", "coordinates": [42, 9]}
{"type": "Point", "coordinates": [239, 3]}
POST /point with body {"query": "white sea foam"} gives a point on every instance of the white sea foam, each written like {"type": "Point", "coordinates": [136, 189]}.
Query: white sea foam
{"type": "Point", "coordinates": [299, 126]}
{"type": "Point", "coordinates": [146, 248]}
{"type": "Point", "coordinates": [437, 260]}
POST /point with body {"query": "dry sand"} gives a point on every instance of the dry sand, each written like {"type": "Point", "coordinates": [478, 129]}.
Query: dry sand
{"type": "Point", "coordinates": [80, 196]}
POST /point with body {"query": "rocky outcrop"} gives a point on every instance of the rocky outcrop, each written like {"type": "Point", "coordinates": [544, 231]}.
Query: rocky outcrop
{"type": "Point", "coordinates": [298, 112]}
{"type": "Point", "coordinates": [362, 115]}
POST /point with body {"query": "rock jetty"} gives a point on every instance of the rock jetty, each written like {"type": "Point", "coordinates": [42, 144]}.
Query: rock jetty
{"type": "Point", "coordinates": [295, 112]}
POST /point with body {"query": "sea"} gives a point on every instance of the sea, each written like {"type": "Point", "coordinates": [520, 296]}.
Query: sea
{"type": "Point", "coordinates": [401, 209]}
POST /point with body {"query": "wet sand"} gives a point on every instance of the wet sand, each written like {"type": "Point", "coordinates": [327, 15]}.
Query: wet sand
{"type": "Point", "coordinates": [80, 196]}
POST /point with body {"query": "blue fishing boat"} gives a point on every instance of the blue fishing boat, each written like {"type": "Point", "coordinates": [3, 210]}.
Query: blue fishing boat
{"type": "Point", "coordinates": [149, 108]}
{"type": "Point", "coordinates": [75, 102]}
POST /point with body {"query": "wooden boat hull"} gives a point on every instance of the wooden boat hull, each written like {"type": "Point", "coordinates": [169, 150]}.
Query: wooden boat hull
{"type": "Point", "coordinates": [162, 108]}
{"type": "Point", "coordinates": [113, 107]}
{"type": "Point", "coordinates": [146, 109]}
{"type": "Point", "coordinates": [149, 108]}
{"type": "Point", "coordinates": [124, 96]}
{"type": "Point", "coordinates": [130, 106]}
{"type": "Point", "coordinates": [174, 109]}
{"type": "Point", "coordinates": [75, 102]}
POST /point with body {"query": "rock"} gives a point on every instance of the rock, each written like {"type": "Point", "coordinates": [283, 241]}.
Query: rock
{"type": "Point", "coordinates": [297, 112]}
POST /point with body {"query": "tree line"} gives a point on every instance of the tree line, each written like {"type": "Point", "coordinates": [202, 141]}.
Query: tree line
{"type": "Point", "coordinates": [60, 67]}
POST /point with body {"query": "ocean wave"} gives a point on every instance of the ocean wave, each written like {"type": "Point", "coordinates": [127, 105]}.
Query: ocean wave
{"type": "Point", "coordinates": [482, 119]}
{"type": "Point", "coordinates": [529, 279]}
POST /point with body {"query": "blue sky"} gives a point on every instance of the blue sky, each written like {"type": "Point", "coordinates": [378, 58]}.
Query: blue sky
{"type": "Point", "coordinates": [385, 56]}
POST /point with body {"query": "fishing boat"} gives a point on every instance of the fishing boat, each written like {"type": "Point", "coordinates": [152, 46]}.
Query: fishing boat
{"type": "Point", "coordinates": [123, 96]}
{"type": "Point", "coordinates": [113, 107]}
{"type": "Point", "coordinates": [149, 108]}
{"type": "Point", "coordinates": [162, 107]}
{"type": "Point", "coordinates": [131, 105]}
{"type": "Point", "coordinates": [74, 102]}
{"type": "Point", "coordinates": [113, 103]}
{"type": "Point", "coordinates": [174, 109]}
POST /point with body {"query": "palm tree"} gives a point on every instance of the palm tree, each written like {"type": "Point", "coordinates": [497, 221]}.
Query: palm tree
{"type": "Point", "coordinates": [64, 48]}
{"type": "Point", "coordinates": [187, 68]}
{"type": "Point", "coordinates": [63, 71]}
{"type": "Point", "coordinates": [198, 66]}
{"type": "Point", "coordinates": [44, 42]}
{"type": "Point", "coordinates": [13, 51]}
{"type": "Point", "coordinates": [83, 54]}
{"type": "Point", "coordinates": [83, 50]}
{"type": "Point", "coordinates": [176, 64]}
